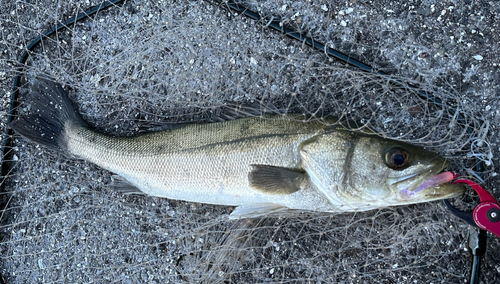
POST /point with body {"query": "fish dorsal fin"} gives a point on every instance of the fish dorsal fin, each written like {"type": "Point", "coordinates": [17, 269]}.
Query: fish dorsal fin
{"type": "Point", "coordinates": [256, 210]}
{"type": "Point", "coordinates": [222, 113]}
{"type": "Point", "coordinates": [233, 111]}
{"type": "Point", "coordinates": [275, 180]}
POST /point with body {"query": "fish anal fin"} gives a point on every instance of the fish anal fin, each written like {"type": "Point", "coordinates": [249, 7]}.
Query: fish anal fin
{"type": "Point", "coordinates": [256, 210]}
{"type": "Point", "coordinates": [122, 185]}
{"type": "Point", "coordinates": [275, 180]}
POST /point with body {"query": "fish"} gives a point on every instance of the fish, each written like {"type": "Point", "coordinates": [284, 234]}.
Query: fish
{"type": "Point", "coordinates": [263, 165]}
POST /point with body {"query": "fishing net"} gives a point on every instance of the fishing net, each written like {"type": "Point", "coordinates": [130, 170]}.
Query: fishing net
{"type": "Point", "coordinates": [143, 64]}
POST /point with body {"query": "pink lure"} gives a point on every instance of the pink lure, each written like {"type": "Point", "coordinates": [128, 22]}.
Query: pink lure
{"type": "Point", "coordinates": [433, 181]}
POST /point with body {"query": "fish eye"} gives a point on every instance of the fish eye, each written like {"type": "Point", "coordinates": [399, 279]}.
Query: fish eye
{"type": "Point", "coordinates": [397, 158]}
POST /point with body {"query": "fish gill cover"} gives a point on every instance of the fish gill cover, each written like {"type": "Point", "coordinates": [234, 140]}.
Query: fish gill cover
{"type": "Point", "coordinates": [147, 63]}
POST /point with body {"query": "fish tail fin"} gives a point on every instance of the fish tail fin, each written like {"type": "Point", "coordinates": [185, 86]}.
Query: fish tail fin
{"type": "Point", "coordinates": [51, 111]}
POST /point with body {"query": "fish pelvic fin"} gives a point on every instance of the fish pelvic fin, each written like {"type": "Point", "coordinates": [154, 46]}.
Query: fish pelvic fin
{"type": "Point", "coordinates": [51, 111]}
{"type": "Point", "coordinates": [276, 180]}
{"type": "Point", "coordinates": [256, 210]}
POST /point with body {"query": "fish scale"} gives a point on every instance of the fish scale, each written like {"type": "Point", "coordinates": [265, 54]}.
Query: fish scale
{"type": "Point", "coordinates": [197, 171]}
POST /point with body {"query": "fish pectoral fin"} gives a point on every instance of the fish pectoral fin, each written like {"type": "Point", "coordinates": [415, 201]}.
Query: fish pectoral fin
{"type": "Point", "coordinates": [275, 180]}
{"type": "Point", "coordinates": [256, 210]}
{"type": "Point", "coordinates": [120, 184]}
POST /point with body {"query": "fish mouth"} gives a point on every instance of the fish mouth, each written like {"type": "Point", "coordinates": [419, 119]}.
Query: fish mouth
{"type": "Point", "coordinates": [428, 186]}
{"type": "Point", "coordinates": [442, 191]}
